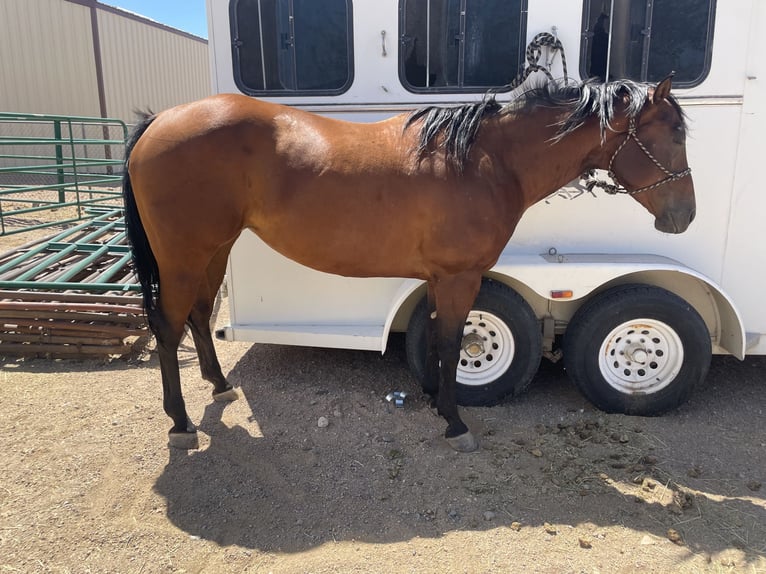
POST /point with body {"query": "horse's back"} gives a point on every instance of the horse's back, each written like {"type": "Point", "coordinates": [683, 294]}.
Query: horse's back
{"type": "Point", "coordinates": [341, 197]}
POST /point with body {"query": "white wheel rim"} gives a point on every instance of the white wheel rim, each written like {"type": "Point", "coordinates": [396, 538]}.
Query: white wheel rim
{"type": "Point", "coordinates": [642, 356]}
{"type": "Point", "coordinates": [486, 351]}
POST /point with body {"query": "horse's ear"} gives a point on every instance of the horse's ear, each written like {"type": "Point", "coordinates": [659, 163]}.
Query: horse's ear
{"type": "Point", "coordinates": [662, 91]}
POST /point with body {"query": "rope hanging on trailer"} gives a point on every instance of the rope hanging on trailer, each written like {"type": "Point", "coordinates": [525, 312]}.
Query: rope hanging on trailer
{"type": "Point", "coordinates": [534, 52]}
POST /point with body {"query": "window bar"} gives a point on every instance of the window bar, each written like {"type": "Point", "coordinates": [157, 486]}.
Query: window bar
{"type": "Point", "coordinates": [294, 57]}
{"type": "Point", "coordinates": [260, 39]}
{"type": "Point", "coordinates": [521, 59]}
{"type": "Point", "coordinates": [428, 43]}
{"type": "Point", "coordinates": [609, 46]}
{"type": "Point", "coordinates": [647, 33]}
{"type": "Point", "coordinates": [461, 45]}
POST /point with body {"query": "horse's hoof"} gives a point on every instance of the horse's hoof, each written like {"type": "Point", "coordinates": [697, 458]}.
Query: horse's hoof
{"type": "Point", "coordinates": [465, 442]}
{"type": "Point", "coordinates": [226, 396]}
{"type": "Point", "coordinates": [183, 440]}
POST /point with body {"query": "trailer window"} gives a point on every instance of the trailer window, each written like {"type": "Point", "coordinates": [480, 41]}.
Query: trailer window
{"type": "Point", "coordinates": [649, 39]}
{"type": "Point", "coordinates": [290, 47]}
{"type": "Point", "coordinates": [460, 45]}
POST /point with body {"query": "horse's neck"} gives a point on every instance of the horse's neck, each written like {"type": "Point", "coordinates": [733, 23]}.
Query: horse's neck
{"type": "Point", "coordinates": [540, 164]}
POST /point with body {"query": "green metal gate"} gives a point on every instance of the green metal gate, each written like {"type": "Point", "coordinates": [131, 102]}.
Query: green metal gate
{"type": "Point", "coordinates": [71, 293]}
{"type": "Point", "coordinates": [52, 168]}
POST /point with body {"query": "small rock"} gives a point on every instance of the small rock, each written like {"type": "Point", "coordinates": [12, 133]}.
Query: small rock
{"type": "Point", "coordinates": [550, 529]}
{"type": "Point", "coordinates": [624, 439]}
{"type": "Point", "coordinates": [683, 499]}
{"type": "Point", "coordinates": [336, 413]}
{"type": "Point", "coordinates": [754, 485]}
{"type": "Point", "coordinates": [648, 460]}
{"type": "Point", "coordinates": [515, 526]}
{"type": "Point", "coordinates": [674, 536]}
{"type": "Point", "coordinates": [648, 485]}
{"type": "Point", "coordinates": [536, 452]}
{"type": "Point", "coordinates": [647, 540]}
{"type": "Point", "coordinates": [585, 542]}
{"type": "Point", "coordinates": [489, 516]}
{"type": "Point", "coordinates": [694, 472]}
{"type": "Point", "coordinates": [323, 422]}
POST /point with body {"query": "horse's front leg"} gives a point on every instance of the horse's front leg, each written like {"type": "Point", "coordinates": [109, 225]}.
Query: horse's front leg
{"type": "Point", "coordinates": [431, 380]}
{"type": "Point", "coordinates": [454, 297]}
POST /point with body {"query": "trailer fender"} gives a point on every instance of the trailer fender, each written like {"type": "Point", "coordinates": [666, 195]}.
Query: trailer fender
{"type": "Point", "coordinates": [539, 278]}
{"type": "Point", "coordinates": [580, 276]}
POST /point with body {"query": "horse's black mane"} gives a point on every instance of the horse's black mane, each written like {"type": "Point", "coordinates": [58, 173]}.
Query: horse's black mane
{"type": "Point", "coordinates": [460, 124]}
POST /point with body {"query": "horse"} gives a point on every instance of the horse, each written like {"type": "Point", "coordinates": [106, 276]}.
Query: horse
{"type": "Point", "coordinates": [433, 194]}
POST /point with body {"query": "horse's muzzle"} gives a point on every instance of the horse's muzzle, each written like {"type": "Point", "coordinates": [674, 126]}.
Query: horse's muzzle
{"type": "Point", "coordinates": [676, 221]}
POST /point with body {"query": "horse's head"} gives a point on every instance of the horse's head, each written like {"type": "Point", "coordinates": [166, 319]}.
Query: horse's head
{"type": "Point", "coordinates": [650, 161]}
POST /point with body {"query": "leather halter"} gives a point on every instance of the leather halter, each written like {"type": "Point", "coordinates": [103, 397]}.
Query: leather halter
{"type": "Point", "coordinates": [612, 189]}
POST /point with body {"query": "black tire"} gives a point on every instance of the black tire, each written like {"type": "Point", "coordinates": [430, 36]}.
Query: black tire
{"type": "Point", "coordinates": [508, 327]}
{"type": "Point", "coordinates": [637, 350]}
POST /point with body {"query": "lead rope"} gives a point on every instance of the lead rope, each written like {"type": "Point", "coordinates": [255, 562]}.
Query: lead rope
{"type": "Point", "coordinates": [534, 52]}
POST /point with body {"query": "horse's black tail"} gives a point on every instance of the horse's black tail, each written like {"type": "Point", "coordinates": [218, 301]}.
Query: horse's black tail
{"type": "Point", "coordinates": [143, 258]}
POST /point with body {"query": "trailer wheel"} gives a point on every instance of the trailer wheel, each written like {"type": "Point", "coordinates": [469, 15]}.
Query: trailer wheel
{"type": "Point", "coordinates": [501, 348]}
{"type": "Point", "coordinates": [637, 350]}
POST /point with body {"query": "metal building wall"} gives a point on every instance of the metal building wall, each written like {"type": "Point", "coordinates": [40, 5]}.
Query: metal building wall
{"type": "Point", "coordinates": [146, 66]}
{"type": "Point", "coordinates": [51, 52]}
{"type": "Point", "coordinates": [46, 58]}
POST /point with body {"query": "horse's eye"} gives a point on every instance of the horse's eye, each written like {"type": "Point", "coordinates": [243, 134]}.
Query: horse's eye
{"type": "Point", "coordinates": [679, 134]}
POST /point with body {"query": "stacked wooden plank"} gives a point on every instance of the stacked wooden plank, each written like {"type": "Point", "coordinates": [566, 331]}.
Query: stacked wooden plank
{"type": "Point", "coordinates": [71, 295]}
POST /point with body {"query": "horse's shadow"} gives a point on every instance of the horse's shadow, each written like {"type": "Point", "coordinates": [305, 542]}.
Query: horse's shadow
{"type": "Point", "coordinates": [259, 484]}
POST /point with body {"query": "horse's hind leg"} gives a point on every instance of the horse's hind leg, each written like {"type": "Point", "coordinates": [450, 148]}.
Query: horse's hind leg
{"type": "Point", "coordinates": [454, 297]}
{"type": "Point", "coordinates": [183, 434]}
{"type": "Point", "coordinates": [199, 321]}
{"type": "Point", "coordinates": [179, 290]}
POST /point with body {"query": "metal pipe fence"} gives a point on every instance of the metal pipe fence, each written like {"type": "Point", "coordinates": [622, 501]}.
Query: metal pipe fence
{"type": "Point", "coordinates": [52, 168]}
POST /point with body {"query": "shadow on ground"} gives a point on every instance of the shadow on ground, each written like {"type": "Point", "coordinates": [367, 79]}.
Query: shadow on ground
{"type": "Point", "coordinates": [278, 482]}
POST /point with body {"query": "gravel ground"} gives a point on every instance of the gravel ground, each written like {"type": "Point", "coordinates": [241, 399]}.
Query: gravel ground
{"type": "Point", "coordinates": [88, 485]}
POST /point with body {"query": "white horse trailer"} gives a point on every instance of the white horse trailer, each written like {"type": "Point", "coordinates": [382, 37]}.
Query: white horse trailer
{"type": "Point", "coordinates": [639, 312]}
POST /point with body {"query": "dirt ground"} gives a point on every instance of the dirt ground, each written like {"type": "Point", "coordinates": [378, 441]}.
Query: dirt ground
{"type": "Point", "coordinates": [87, 483]}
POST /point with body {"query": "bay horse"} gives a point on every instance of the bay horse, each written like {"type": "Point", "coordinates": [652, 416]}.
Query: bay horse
{"type": "Point", "coordinates": [434, 195]}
